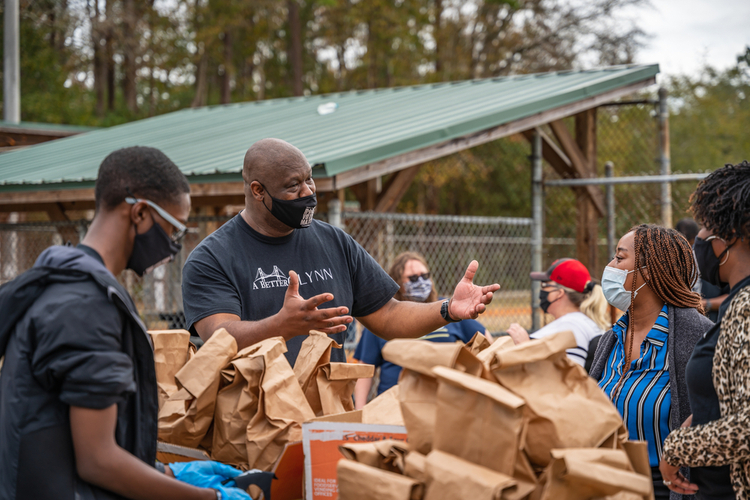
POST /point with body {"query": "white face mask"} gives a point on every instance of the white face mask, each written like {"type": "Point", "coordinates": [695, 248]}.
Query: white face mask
{"type": "Point", "coordinates": [613, 286]}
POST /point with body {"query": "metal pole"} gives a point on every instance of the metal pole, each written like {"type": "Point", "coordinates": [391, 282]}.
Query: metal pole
{"type": "Point", "coordinates": [11, 64]}
{"type": "Point", "coordinates": [664, 159]}
{"type": "Point", "coordinates": [609, 171]}
{"type": "Point", "coordinates": [632, 179]}
{"type": "Point", "coordinates": [537, 225]}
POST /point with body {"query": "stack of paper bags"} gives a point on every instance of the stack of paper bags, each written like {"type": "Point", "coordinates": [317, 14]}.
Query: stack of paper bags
{"type": "Point", "coordinates": [244, 407]}
{"type": "Point", "coordinates": [498, 422]}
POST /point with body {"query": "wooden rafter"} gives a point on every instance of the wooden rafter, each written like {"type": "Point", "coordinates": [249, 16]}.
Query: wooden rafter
{"type": "Point", "coordinates": [396, 188]}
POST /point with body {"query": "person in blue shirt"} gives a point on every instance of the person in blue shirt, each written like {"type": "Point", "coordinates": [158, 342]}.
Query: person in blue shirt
{"type": "Point", "coordinates": [411, 271]}
{"type": "Point", "coordinates": [640, 362]}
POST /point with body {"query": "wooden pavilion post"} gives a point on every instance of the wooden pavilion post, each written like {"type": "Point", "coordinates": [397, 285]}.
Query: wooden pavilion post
{"type": "Point", "coordinates": [587, 216]}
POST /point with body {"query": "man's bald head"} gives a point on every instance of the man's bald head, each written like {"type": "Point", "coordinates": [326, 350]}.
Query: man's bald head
{"type": "Point", "coordinates": [270, 156]}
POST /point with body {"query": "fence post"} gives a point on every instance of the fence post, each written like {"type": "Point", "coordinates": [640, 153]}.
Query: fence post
{"type": "Point", "coordinates": [664, 159]}
{"type": "Point", "coordinates": [334, 212]}
{"type": "Point", "coordinates": [537, 225]}
{"type": "Point", "coordinates": [609, 171]}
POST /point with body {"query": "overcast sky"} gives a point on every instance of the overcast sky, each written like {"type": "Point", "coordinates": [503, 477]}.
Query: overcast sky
{"type": "Point", "coordinates": [687, 34]}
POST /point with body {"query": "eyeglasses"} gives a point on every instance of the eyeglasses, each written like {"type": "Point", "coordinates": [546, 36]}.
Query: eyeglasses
{"type": "Point", "coordinates": [550, 284]}
{"type": "Point", "coordinates": [415, 277]}
{"type": "Point", "coordinates": [181, 228]}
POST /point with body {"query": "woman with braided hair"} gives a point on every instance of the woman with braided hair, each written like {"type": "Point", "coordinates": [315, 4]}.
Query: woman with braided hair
{"type": "Point", "coordinates": [715, 446]}
{"type": "Point", "coordinates": [640, 363]}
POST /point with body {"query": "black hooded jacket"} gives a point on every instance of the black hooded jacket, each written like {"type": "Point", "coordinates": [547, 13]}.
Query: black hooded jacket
{"type": "Point", "coordinates": [71, 335]}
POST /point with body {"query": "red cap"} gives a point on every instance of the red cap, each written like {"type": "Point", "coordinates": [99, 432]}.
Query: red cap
{"type": "Point", "coordinates": [569, 273]}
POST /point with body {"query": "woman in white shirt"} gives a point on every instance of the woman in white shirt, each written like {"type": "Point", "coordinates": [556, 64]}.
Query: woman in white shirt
{"type": "Point", "coordinates": [577, 304]}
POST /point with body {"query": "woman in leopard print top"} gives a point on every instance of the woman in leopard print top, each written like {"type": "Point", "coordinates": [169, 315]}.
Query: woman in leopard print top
{"type": "Point", "coordinates": [715, 445]}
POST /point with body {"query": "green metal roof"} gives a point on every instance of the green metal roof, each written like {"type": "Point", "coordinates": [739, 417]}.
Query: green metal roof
{"type": "Point", "coordinates": [209, 143]}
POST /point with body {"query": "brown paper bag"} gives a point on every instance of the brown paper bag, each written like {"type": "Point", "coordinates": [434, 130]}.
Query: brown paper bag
{"type": "Point", "coordinates": [262, 409]}
{"type": "Point", "coordinates": [473, 412]}
{"type": "Point", "coordinates": [330, 390]}
{"type": "Point", "coordinates": [186, 415]}
{"type": "Point", "coordinates": [236, 404]}
{"type": "Point", "coordinates": [559, 393]}
{"type": "Point", "coordinates": [417, 385]}
{"type": "Point", "coordinates": [282, 407]}
{"type": "Point", "coordinates": [637, 452]}
{"type": "Point", "coordinates": [478, 343]}
{"type": "Point", "coordinates": [414, 466]}
{"type": "Point", "coordinates": [451, 478]}
{"type": "Point", "coordinates": [314, 353]}
{"type": "Point", "coordinates": [384, 409]}
{"type": "Point", "coordinates": [579, 474]}
{"type": "Point", "coordinates": [360, 482]}
{"type": "Point", "coordinates": [500, 344]}
{"type": "Point", "coordinates": [421, 355]}
{"type": "Point", "coordinates": [171, 352]}
{"type": "Point", "coordinates": [387, 454]}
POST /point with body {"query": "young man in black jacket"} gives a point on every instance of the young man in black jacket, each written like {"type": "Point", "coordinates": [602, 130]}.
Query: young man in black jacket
{"type": "Point", "coordinates": [78, 399]}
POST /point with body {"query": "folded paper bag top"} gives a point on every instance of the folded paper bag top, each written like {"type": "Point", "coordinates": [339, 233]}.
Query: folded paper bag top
{"type": "Point", "coordinates": [534, 350]}
{"type": "Point", "coordinates": [450, 478]}
{"type": "Point", "coordinates": [171, 352]}
{"type": "Point", "coordinates": [586, 473]}
{"type": "Point", "coordinates": [314, 352]}
{"type": "Point", "coordinates": [500, 344]}
{"type": "Point", "coordinates": [478, 343]}
{"type": "Point", "coordinates": [493, 391]}
{"type": "Point", "coordinates": [387, 454]}
{"type": "Point", "coordinates": [421, 355]}
{"type": "Point", "coordinates": [361, 482]}
{"type": "Point", "coordinates": [330, 391]}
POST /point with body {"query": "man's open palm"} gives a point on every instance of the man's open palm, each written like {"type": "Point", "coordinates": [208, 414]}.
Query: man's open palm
{"type": "Point", "coordinates": [470, 300]}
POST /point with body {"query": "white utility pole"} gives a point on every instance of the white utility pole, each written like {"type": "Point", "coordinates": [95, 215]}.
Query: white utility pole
{"type": "Point", "coordinates": [11, 64]}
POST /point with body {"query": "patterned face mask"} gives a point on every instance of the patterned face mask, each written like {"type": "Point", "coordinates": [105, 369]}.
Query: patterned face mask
{"type": "Point", "coordinates": [418, 291]}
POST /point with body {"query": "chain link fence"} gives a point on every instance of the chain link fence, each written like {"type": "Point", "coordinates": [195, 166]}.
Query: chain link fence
{"type": "Point", "coordinates": [501, 245]}
{"type": "Point", "coordinates": [627, 135]}
{"type": "Point", "coordinates": [449, 243]}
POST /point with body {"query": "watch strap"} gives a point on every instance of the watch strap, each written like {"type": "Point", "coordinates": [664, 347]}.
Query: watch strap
{"type": "Point", "coordinates": [445, 313]}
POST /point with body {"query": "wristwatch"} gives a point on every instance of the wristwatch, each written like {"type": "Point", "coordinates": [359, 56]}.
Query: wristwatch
{"type": "Point", "coordinates": [445, 314]}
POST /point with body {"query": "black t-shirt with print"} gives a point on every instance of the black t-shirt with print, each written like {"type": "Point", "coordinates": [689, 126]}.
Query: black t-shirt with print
{"type": "Point", "coordinates": [237, 270]}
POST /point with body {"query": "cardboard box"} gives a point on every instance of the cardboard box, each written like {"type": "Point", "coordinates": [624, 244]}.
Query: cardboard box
{"type": "Point", "coordinates": [321, 440]}
{"type": "Point", "coordinates": [168, 453]}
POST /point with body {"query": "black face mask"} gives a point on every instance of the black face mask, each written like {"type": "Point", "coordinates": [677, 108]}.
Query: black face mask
{"type": "Point", "coordinates": [297, 213]}
{"type": "Point", "coordinates": [708, 262]}
{"type": "Point", "coordinates": [544, 302]}
{"type": "Point", "coordinates": [152, 249]}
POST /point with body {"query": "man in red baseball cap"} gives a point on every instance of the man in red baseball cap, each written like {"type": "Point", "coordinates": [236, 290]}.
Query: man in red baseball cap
{"type": "Point", "coordinates": [576, 302]}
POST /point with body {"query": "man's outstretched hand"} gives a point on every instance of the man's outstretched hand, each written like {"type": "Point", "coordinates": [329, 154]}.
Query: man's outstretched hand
{"type": "Point", "coordinates": [470, 300]}
{"type": "Point", "coordinates": [299, 316]}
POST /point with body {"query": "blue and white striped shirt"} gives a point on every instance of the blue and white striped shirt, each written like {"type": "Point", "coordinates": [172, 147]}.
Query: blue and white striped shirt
{"type": "Point", "coordinates": [643, 395]}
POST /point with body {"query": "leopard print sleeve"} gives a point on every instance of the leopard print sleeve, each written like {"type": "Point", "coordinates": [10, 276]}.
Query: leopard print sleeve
{"type": "Point", "coordinates": [722, 441]}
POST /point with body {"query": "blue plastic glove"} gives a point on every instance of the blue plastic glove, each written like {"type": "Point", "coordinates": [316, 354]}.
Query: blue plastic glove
{"type": "Point", "coordinates": [208, 474]}
{"type": "Point", "coordinates": [232, 493]}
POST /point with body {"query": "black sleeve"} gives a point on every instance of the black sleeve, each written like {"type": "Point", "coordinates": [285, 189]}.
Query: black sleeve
{"type": "Point", "coordinates": [78, 350]}
{"type": "Point", "coordinates": [206, 289]}
{"type": "Point", "coordinates": [371, 286]}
